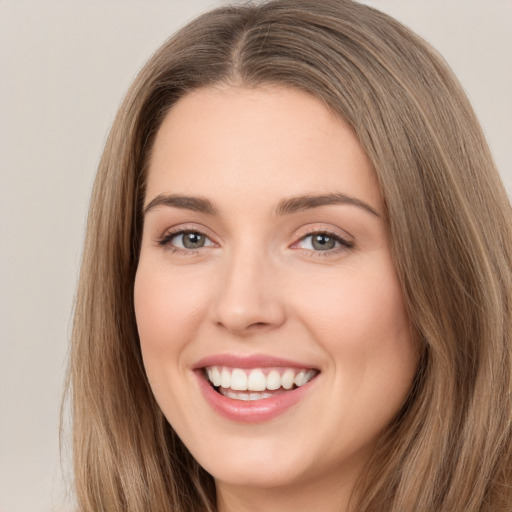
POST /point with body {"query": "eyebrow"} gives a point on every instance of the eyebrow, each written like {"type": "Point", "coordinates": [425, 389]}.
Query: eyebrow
{"type": "Point", "coordinates": [300, 203]}
{"type": "Point", "coordinates": [196, 204]}
{"type": "Point", "coordinates": [285, 207]}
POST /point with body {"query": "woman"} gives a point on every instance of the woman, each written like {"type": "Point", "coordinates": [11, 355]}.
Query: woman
{"type": "Point", "coordinates": [296, 284]}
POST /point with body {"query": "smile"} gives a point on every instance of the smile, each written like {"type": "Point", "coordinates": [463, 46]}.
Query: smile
{"type": "Point", "coordinates": [257, 383]}
{"type": "Point", "coordinates": [253, 389]}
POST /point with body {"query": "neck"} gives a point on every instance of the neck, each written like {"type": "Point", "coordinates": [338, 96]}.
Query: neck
{"type": "Point", "coordinates": [328, 494]}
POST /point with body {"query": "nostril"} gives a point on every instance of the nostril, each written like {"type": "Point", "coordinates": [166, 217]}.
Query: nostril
{"type": "Point", "coordinates": [258, 324]}
{"type": "Point", "coordinates": [245, 328]}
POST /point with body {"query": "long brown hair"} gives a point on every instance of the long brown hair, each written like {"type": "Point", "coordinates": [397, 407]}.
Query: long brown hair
{"type": "Point", "coordinates": [450, 225]}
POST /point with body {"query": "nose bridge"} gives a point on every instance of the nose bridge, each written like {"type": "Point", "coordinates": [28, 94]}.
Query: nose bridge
{"type": "Point", "coordinates": [248, 297]}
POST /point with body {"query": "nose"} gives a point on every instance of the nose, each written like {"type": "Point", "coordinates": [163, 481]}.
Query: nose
{"type": "Point", "coordinates": [248, 298]}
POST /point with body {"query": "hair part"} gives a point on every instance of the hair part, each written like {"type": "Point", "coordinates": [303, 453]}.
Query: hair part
{"type": "Point", "coordinates": [449, 221]}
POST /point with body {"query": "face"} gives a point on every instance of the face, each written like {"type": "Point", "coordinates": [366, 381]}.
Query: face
{"type": "Point", "coordinates": [270, 316]}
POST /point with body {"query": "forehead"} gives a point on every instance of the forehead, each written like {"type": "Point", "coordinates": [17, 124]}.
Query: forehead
{"type": "Point", "coordinates": [260, 142]}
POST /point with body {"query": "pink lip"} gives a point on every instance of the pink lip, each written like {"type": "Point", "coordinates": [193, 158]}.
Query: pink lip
{"type": "Point", "coordinates": [255, 411]}
{"type": "Point", "coordinates": [253, 361]}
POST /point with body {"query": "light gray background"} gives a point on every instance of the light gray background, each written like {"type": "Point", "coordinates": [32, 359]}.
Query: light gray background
{"type": "Point", "coordinates": [64, 67]}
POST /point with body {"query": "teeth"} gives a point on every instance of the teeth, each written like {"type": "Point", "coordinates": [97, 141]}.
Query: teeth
{"type": "Point", "coordinates": [287, 379]}
{"type": "Point", "coordinates": [214, 376]}
{"type": "Point", "coordinates": [244, 396]}
{"type": "Point", "coordinates": [256, 381]}
{"type": "Point", "coordinates": [225, 378]}
{"type": "Point", "coordinates": [302, 377]}
{"type": "Point", "coordinates": [237, 379]}
{"type": "Point", "coordinates": [273, 380]}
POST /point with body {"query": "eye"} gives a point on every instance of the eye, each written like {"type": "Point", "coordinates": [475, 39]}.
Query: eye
{"type": "Point", "coordinates": [323, 242]}
{"type": "Point", "coordinates": [185, 240]}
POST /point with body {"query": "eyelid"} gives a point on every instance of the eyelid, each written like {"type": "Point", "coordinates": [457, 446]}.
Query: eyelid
{"type": "Point", "coordinates": [328, 229]}
{"type": "Point", "coordinates": [170, 233]}
{"type": "Point", "coordinates": [187, 226]}
{"type": "Point", "coordinates": [344, 240]}
{"type": "Point", "coordinates": [340, 240]}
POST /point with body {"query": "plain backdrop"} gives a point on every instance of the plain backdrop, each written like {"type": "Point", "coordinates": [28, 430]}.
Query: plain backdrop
{"type": "Point", "coordinates": [64, 67]}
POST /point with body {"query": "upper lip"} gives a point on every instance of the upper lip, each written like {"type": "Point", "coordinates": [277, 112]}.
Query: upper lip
{"type": "Point", "coordinates": [249, 361]}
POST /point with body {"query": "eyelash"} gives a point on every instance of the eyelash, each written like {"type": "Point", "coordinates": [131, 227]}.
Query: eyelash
{"type": "Point", "coordinates": [344, 244]}
{"type": "Point", "coordinates": [165, 242]}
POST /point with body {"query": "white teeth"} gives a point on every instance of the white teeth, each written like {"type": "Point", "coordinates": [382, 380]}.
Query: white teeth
{"type": "Point", "coordinates": [237, 379]}
{"type": "Point", "coordinates": [225, 378]}
{"type": "Point", "coordinates": [256, 381]}
{"type": "Point", "coordinates": [244, 396]}
{"type": "Point", "coordinates": [214, 376]}
{"type": "Point", "coordinates": [299, 378]}
{"type": "Point", "coordinates": [287, 379]}
{"type": "Point", "coordinates": [273, 380]}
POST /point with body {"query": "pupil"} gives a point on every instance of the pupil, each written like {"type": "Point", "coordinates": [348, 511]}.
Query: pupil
{"type": "Point", "coordinates": [193, 240]}
{"type": "Point", "coordinates": [323, 242]}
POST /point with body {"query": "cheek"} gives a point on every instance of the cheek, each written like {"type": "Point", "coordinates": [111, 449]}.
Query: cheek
{"type": "Point", "coordinates": [167, 309]}
{"type": "Point", "coordinates": [358, 307]}
{"type": "Point", "coordinates": [359, 319]}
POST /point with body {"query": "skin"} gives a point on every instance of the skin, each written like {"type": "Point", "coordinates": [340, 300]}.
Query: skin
{"type": "Point", "coordinates": [259, 286]}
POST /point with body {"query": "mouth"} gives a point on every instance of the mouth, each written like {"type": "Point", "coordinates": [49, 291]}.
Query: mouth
{"type": "Point", "coordinates": [252, 384]}
{"type": "Point", "coordinates": [254, 388]}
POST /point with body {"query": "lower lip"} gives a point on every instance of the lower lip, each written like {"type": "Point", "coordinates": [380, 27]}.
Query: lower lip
{"type": "Point", "coordinates": [252, 411]}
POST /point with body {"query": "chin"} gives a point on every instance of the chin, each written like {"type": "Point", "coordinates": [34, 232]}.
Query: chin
{"type": "Point", "coordinates": [264, 475]}
{"type": "Point", "coordinates": [246, 463]}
